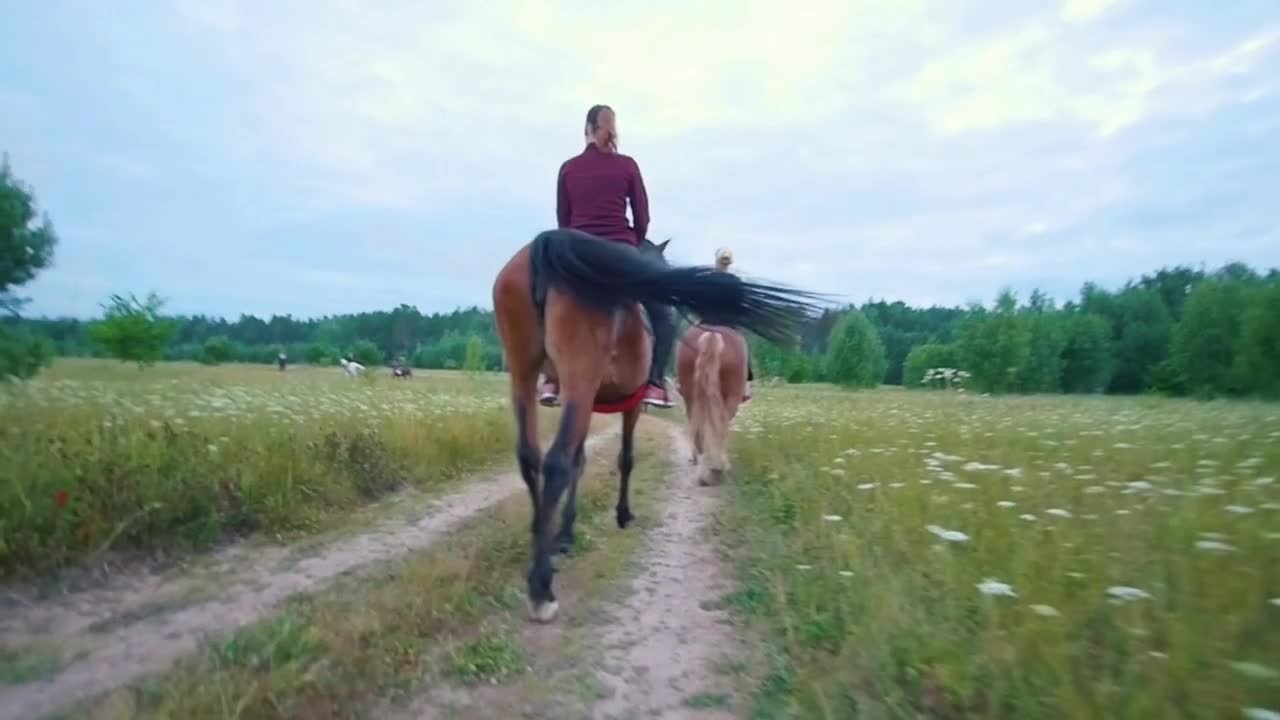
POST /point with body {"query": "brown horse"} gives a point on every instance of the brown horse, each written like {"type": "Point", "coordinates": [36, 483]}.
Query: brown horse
{"type": "Point", "coordinates": [711, 363]}
{"type": "Point", "coordinates": [572, 300]}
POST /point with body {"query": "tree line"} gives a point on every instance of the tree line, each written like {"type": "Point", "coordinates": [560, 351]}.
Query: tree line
{"type": "Point", "coordinates": [1178, 331]}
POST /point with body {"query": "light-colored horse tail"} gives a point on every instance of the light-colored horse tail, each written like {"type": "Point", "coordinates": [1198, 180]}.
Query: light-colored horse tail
{"type": "Point", "coordinates": [710, 419]}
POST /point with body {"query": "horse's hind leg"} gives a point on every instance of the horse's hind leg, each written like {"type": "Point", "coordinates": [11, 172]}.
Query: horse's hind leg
{"type": "Point", "coordinates": [626, 461]}
{"type": "Point", "coordinates": [528, 451]}
{"type": "Point", "coordinates": [570, 512]}
{"type": "Point", "coordinates": [578, 388]}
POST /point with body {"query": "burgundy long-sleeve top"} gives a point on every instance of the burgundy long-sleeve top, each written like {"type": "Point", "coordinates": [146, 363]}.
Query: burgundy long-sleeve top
{"type": "Point", "coordinates": [592, 195]}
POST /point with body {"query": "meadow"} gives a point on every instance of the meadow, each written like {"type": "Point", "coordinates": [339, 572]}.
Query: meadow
{"type": "Point", "coordinates": [898, 553]}
{"type": "Point", "coordinates": [945, 554]}
{"type": "Point", "coordinates": [99, 457]}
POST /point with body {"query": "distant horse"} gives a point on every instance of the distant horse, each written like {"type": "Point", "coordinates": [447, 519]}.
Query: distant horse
{"type": "Point", "coordinates": [351, 367]}
{"type": "Point", "coordinates": [401, 370]}
{"type": "Point", "coordinates": [711, 363]}
{"type": "Point", "coordinates": [571, 301]}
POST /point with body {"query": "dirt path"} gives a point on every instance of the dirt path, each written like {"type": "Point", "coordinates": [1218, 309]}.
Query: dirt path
{"type": "Point", "coordinates": [664, 645]}
{"type": "Point", "coordinates": [659, 648]}
{"type": "Point", "coordinates": [121, 633]}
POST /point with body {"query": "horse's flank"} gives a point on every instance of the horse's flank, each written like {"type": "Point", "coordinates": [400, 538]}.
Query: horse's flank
{"type": "Point", "coordinates": [711, 364]}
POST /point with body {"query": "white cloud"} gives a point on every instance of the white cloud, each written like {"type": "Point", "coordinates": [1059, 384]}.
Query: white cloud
{"type": "Point", "coordinates": [1081, 11]}
{"type": "Point", "coordinates": [1046, 73]}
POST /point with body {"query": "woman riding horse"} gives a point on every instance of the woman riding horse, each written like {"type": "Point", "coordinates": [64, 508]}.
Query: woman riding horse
{"type": "Point", "coordinates": [724, 258]}
{"type": "Point", "coordinates": [591, 196]}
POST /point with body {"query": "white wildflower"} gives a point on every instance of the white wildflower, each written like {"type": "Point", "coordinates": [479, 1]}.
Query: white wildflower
{"type": "Point", "coordinates": [832, 518]}
{"type": "Point", "coordinates": [948, 535]}
{"type": "Point", "coordinates": [1045, 610]}
{"type": "Point", "coordinates": [1005, 504]}
{"type": "Point", "coordinates": [995, 587]}
{"type": "Point", "coordinates": [1238, 509]}
{"type": "Point", "coordinates": [1122, 592]}
{"type": "Point", "coordinates": [1059, 512]}
{"type": "Point", "coordinates": [1214, 545]}
{"type": "Point", "coordinates": [1255, 671]}
{"type": "Point", "coordinates": [1028, 517]}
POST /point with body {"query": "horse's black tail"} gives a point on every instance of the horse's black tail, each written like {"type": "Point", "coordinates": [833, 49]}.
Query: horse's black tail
{"type": "Point", "coordinates": [605, 275]}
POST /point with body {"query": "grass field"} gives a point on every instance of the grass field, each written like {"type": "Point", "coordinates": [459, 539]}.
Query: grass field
{"type": "Point", "coordinates": [446, 616]}
{"type": "Point", "coordinates": [99, 456]}
{"type": "Point", "coordinates": [902, 553]}
{"type": "Point", "coordinates": [951, 555]}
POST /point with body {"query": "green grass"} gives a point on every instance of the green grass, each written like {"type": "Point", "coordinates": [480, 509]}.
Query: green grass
{"type": "Point", "coordinates": [959, 556]}
{"type": "Point", "coordinates": [491, 657]}
{"type": "Point", "coordinates": [29, 662]}
{"type": "Point", "coordinates": [98, 456]}
{"type": "Point", "coordinates": [446, 614]}
{"type": "Point", "coordinates": [707, 701]}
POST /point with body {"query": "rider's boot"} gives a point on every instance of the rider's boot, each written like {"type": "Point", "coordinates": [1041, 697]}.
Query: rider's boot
{"type": "Point", "coordinates": [664, 334]}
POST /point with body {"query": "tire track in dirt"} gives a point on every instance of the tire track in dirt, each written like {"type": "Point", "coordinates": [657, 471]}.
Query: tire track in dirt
{"type": "Point", "coordinates": [262, 579]}
{"type": "Point", "coordinates": [658, 649]}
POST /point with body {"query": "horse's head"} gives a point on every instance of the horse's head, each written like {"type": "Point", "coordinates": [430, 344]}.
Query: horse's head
{"type": "Point", "coordinates": [655, 251]}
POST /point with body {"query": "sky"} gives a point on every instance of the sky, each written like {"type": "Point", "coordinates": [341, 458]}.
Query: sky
{"type": "Point", "coordinates": [334, 156]}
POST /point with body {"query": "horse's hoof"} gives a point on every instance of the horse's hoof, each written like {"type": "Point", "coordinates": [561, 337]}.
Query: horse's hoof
{"type": "Point", "coordinates": [565, 546]}
{"type": "Point", "coordinates": [624, 518]}
{"type": "Point", "coordinates": [543, 612]}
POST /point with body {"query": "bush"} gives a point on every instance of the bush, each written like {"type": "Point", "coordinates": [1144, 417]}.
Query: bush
{"type": "Point", "coordinates": [217, 350]}
{"type": "Point", "coordinates": [366, 353]}
{"type": "Point", "coordinates": [923, 358]}
{"type": "Point", "coordinates": [320, 354]}
{"type": "Point", "coordinates": [855, 355]}
{"type": "Point", "coordinates": [133, 330]}
{"type": "Point", "coordinates": [23, 355]}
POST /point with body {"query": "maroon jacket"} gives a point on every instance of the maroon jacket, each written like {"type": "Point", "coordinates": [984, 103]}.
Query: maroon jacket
{"type": "Point", "coordinates": [592, 194]}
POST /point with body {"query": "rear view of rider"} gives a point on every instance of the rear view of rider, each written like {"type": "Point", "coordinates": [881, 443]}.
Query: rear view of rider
{"type": "Point", "coordinates": [591, 196]}
{"type": "Point", "coordinates": [724, 258]}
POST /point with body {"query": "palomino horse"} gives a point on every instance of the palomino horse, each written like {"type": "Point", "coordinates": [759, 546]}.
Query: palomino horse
{"type": "Point", "coordinates": [572, 300]}
{"type": "Point", "coordinates": [711, 363]}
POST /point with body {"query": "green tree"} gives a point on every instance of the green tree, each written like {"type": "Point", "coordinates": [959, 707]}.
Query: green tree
{"type": "Point", "coordinates": [1205, 341]}
{"type": "Point", "coordinates": [995, 346]}
{"type": "Point", "coordinates": [924, 358]}
{"type": "Point", "coordinates": [217, 349]}
{"type": "Point", "coordinates": [1047, 339]}
{"type": "Point", "coordinates": [26, 246]}
{"type": "Point", "coordinates": [134, 331]}
{"type": "Point", "coordinates": [1258, 359]}
{"type": "Point", "coordinates": [1086, 353]}
{"type": "Point", "coordinates": [366, 353]}
{"type": "Point", "coordinates": [855, 357]}
{"type": "Point", "coordinates": [474, 361]}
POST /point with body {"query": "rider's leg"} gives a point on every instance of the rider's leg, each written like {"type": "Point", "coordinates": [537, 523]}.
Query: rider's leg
{"type": "Point", "coordinates": [664, 335]}
{"type": "Point", "coordinates": [549, 392]}
{"type": "Point", "coordinates": [746, 394]}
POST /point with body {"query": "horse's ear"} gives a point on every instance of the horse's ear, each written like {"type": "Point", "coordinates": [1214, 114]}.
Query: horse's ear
{"type": "Point", "coordinates": [662, 246]}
